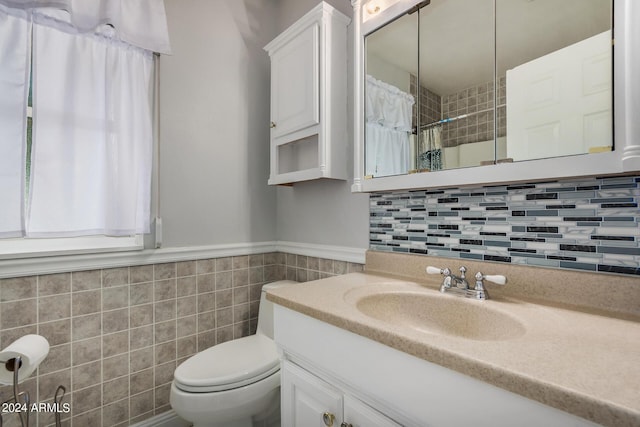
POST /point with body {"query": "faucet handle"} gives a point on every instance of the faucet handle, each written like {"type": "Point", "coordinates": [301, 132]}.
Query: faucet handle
{"type": "Point", "coordinates": [480, 292]}
{"type": "Point", "coordinates": [446, 283]}
{"type": "Point", "coordinates": [495, 278]}
{"type": "Point", "coordinates": [435, 270]}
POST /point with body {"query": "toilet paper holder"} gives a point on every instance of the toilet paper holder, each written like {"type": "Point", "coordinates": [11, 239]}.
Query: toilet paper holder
{"type": "Point", "coordinates": [22, 397]}
{"type": "Point", "coordinates": [13, 365]}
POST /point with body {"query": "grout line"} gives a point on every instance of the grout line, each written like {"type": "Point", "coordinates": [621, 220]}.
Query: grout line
{"type": "Point", "coordinates": [277, 267]}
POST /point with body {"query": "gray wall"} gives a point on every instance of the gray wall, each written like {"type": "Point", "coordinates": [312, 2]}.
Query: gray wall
{"type": "Point", "coordinates": [214, 101]}
{"type": "Point", "coordinates": [323, 212]}
{"type": "Point", "coordinates": [289, 11]}
{"type": "Point", "coordinates": [214, 158]}
{"type": "Point", "coordinates": [117, 334]}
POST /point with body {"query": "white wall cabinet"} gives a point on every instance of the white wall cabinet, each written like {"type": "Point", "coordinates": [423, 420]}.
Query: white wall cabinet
{"type": "Point", "coordinates": [309, 401]}
{"type": "Point", "coordinates": [625, 158]}
{"type": "Point", "coordinates": [309, 98]}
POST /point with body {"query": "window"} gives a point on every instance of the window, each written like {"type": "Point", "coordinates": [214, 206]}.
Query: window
{"type": "Point", "coordinates": [75, 136]}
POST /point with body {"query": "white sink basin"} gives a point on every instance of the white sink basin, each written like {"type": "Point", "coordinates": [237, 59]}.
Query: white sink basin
{"type": "Point", "coordinates": [440, 314]}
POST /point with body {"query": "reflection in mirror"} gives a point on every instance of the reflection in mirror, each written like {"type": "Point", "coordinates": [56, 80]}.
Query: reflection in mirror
{"type": "Point", "coordinates": [391, 60]}
{"type": "Point", "coordinates": [488, 81]}
{"type": "Point", "coordinates": [555, 57]}
{"type": "Point", "coordinates": [456, 85]}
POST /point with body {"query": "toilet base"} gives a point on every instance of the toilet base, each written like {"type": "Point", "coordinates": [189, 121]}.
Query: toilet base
{"type": "Point", "coordinates": [234, 423]}
{"type": "Point", "coordinates": [255, 405]}
{"type": "Point", "coordinates": [271, 419]}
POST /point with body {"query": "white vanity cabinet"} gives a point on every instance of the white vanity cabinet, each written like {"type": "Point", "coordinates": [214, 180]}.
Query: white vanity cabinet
{"type": "Point", "coordinates": [365, 383]}
{"type": "Point", "coordinates": [310, 401]}
{"type": "Point", "coordinates": [309, 98]}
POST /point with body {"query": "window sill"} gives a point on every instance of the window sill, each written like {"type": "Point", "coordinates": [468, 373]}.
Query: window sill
{"type": "Point", "coordinates": [21, 248]}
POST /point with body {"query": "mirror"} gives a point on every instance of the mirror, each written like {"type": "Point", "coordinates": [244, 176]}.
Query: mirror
{"type": "Point", "coordinates": [555, 60]}
{"type": "Point", "coordinates": [457, 33]}
{"type": "Point", "coordinates": [463, 83]}
{"type": "Point", "coordinates": [390, 105]}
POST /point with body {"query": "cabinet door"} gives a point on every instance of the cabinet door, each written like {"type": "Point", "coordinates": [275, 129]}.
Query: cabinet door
{"type": "Point", "coordinates": [306, 399]}
{"type": "Point", "coordinates": [295, 83]}
{"type": "Point", "coordinates": [359, 414]}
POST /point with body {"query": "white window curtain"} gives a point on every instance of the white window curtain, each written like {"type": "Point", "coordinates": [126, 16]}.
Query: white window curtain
{"type": "Point", "coordinates": [389, 117]}
{"type": "Point", "coordinates": [14, 66]}
{"type": "Point", "coordinates": [141, 23]}
{"type": "Point", "coordinates": [92, 136]}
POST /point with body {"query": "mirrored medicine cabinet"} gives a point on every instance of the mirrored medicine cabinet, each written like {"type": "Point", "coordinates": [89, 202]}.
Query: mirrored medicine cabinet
{"type": "Point", "coordinates": [455, 92]}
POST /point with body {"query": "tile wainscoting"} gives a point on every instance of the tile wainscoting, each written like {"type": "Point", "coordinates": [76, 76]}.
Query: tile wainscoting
{"type": "Point", "coordinates": [117, 334]}
{"type": "Point", "coordinates": [583, 224]}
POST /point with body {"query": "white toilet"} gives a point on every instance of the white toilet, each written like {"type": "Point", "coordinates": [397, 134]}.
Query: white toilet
{"type": "Point", "coordinates": [233, 384]}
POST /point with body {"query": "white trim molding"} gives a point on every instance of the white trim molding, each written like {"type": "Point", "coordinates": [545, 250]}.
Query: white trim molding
{"type": "Point", "coordinates": [339, 253]}
{"type": "Point", "coordinates": [61, 264]}
{"type": "Point", "coordinates": [629, 99]}
{"type": "Point", "coordinates": [21, 247]}
{"type": "Point", "coordinates": [358, 97]}
{"type": "Point", "coordinates": [165, 419]}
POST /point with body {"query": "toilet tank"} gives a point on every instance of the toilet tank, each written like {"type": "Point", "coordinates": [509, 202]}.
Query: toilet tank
{"type": "Point", "coordinates": [265, 311]}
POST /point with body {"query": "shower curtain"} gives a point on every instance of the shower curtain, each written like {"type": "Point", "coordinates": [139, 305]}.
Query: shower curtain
{"type": "Point", "coordinates": [388, 126]}
{"type": "Point", "coordinates": [431, 154]}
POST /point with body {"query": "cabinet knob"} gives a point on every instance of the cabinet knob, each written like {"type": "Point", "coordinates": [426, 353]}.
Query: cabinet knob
{"type": "Point", "coordinates": [328, 418]}
{"type": "Point", "coordinates": [346, 425]}
{"type": "Point", "coordinates": [273, 124]}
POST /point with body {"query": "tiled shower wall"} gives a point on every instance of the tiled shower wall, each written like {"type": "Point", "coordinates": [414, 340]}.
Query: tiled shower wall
{"type": "Point", "coordinates": [586, 224]}
{"type": "Point", "coordinates": [430, 103]}
{"type": "Point", "coordinates": [477, 102]}
{"type": "Point", "coordinates": [479, 125]}
{"type": "Point", "coordinates": [116, 335]}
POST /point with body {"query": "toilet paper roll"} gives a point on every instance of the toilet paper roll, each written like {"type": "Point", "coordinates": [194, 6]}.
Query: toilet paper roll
{"type": "Point", "coordinates": [32, 349]}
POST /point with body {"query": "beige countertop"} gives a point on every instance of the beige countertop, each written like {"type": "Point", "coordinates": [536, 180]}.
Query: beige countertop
{"type": "Point", "coordinates": [582, 363]}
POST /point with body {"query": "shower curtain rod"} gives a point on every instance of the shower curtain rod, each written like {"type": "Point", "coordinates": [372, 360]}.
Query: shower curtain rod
{"type": "Point", "coordinates": [453, 119]}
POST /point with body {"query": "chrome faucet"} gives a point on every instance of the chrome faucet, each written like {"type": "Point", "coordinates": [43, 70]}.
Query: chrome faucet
{"type": "Point", "coordinates": [450, 279]}
{"type": "Point", "coordinates": [458, 285]}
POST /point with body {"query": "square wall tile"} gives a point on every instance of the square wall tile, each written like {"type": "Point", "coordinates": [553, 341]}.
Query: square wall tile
{"type": "Point", "coordinates": [117, 334]}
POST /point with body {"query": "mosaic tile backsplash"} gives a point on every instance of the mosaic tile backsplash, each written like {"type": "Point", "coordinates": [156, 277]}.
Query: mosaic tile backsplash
{"type": "Point", "coordinates": [584, 224]}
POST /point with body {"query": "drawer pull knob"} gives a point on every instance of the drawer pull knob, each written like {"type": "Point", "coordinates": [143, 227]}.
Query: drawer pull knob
{"type": "Point", "coordinates": [328, 419]}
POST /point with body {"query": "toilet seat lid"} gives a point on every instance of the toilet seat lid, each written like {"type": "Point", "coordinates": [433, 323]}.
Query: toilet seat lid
{"type": "Point", "coordinates": [229, 365]}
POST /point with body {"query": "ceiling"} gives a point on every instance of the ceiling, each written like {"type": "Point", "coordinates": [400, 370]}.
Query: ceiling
{"type": "Point", "coordinates": [457, 43]}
